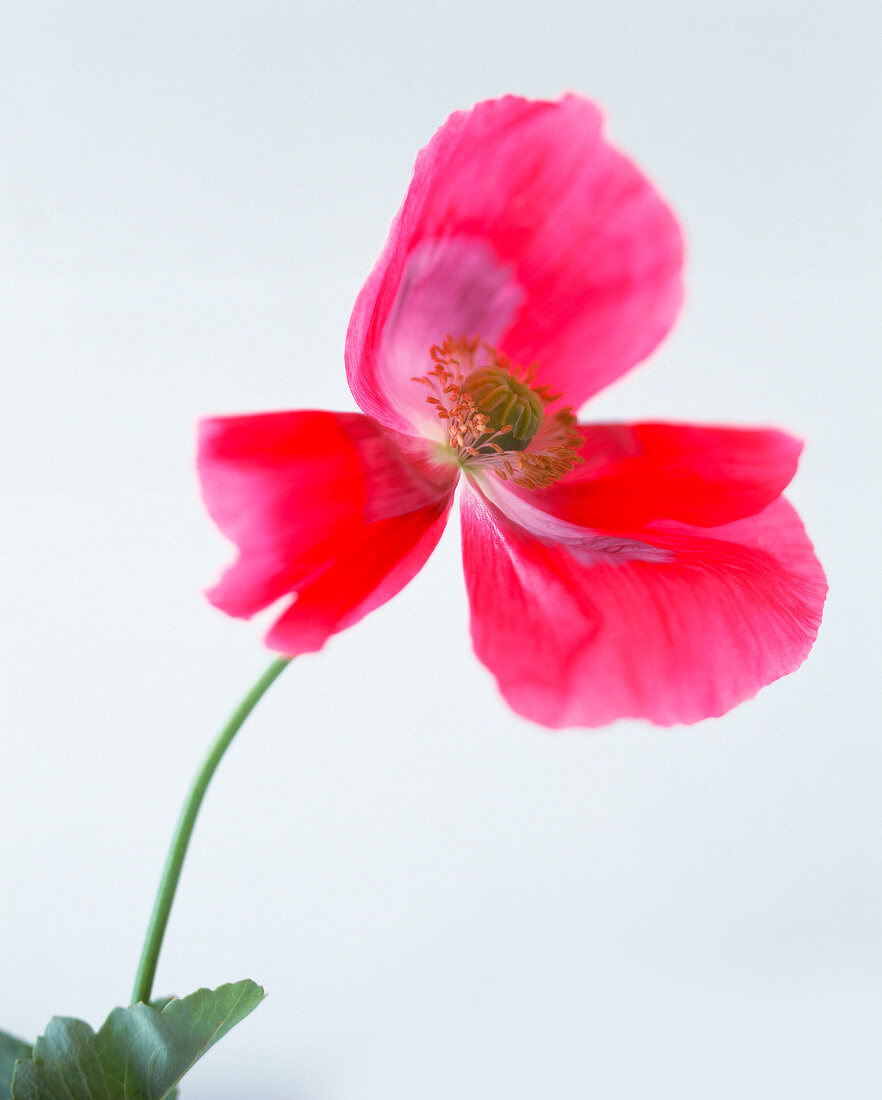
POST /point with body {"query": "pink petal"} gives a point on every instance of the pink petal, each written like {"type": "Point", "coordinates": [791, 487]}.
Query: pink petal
{"type": "Point", "coordinates": [365, 575]}
{"type": "Point", "coordinates": [552, 219]}
{"type": "Point", "coordinates": [449, 285]}
{"type": "Point", "coordinates": [707, 476]}
{"type": "Point", "coordinates": [301, 492]}
{"type": "Point", "coordinates": [577, 636]}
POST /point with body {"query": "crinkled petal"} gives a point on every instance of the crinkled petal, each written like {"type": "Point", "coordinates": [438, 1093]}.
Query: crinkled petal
{"type": "Point", "coordinates": [633, 474]}
{"type": "Point", "coordinates": [524, 226]}
{"type": "Point", "coordinates": [369, 572]}
{"type": "Point", "coordinates": [580, 635]}
{"type": "Point", "coordinates": [302, 493]}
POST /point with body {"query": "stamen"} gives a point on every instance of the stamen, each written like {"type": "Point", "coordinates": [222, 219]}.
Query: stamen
{"type": "Point", "coordinates": [497, 419]}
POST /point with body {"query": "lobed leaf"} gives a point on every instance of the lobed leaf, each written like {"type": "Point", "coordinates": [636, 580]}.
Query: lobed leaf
{"type": "Point", "coordinates": [139, 1053]}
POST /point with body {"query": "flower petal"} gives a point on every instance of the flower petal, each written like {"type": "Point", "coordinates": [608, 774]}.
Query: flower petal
{"type": "Point", "coordinates": [455, 285]}
{"type": "Point", "coordinates": [574, 259]}
{"type": "Point", "coordinates": [378, 565]}
{"type": "Point", "coordinates": [577, 636]}
{"type": "Point", "coordinates": [707, 476]}
{"type": "Point", "coordinates": [302, 492]}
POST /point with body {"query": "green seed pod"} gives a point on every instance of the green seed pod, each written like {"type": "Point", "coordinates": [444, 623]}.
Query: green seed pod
{"type": "Point", "coordinates": [505, 401]}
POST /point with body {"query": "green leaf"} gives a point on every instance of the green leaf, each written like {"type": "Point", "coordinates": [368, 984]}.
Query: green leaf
{"type": "Point", "coordinates": [159, 1004]}
{"type": "Point", "coordinates": [11, 1050]}
{"type": "Point", "coordinates": [140, 1053]}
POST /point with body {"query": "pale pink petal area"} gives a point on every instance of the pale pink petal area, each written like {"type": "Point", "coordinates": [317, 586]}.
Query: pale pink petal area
{"type": "Point", "coordinates": [579, 637]}
{"type": "Point", "coordinates": [446, 286]}
{"type": "Point", "coordinates": [299, 492]}
{"type": "Point", "coordinates": [554, 220]}
{"type": "Point", "coordinates": [707, 476]}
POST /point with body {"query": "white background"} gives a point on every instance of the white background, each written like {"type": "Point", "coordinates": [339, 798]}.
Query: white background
{"type": "Point", "coordinates": [441, 899]}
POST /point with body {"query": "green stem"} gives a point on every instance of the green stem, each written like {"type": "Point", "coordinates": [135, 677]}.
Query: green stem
{"type": "Point", "coordinates": [175, 859]}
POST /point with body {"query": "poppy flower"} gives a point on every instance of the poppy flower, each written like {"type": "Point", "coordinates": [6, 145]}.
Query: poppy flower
{"type": "Point", "coordinates": [645, 570]}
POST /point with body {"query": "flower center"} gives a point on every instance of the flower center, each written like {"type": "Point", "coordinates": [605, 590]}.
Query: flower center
{"type": "Point", "coordinates": [497, 419]}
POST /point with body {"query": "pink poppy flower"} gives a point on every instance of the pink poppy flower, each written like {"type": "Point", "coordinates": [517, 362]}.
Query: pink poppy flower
{"type": "Point", "coordinates": [613, 570]}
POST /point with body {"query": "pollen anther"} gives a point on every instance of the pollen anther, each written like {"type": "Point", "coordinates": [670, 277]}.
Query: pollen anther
{"type": "Point", "coordinates": [497, 419]}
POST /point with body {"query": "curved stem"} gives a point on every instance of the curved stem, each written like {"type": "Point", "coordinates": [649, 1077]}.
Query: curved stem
{"type": "Point", "coordinates": [184, 830]}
